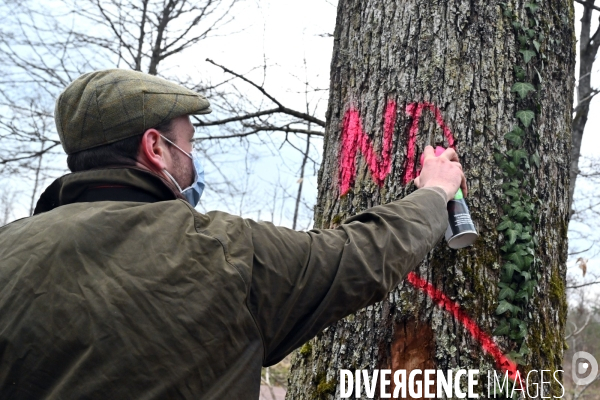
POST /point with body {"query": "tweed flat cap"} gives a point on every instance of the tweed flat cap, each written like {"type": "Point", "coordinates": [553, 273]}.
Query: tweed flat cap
{"type": "Point", "coordinates": [106, 106]}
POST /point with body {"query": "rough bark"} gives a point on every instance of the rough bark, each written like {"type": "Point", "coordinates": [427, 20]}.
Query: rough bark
{"type": "Point", "coordinates": [458, 55]}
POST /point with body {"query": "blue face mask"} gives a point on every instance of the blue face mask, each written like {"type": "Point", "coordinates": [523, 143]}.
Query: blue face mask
{"type": "Point", "coordinates": [193, 192]}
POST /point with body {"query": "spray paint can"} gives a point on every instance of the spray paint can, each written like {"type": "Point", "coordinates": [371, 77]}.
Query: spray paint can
{"type": "Point", "coordinates": [461, 231]}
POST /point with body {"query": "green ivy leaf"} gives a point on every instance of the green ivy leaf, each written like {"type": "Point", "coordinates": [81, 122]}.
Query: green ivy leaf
{"type": "Point", "coordinates": [499, 157]}
{"type": "Point", "coordinates": [519, 227]}
{"type": "Point", "coordinates": [504, 225]}
{"type": "Point", "coordinates": [520, 73]}
{"type": "Point", "coordinates": [523, 40]}
{"type": "Point", "coordinates": [525, 116]}
{"type": "Point", "coordinates": [515, 139]}
{"type": "Point", "coordinates": [516, 25]}
{"type": "Point", "coordinates": [516, 357]}
{"type": "Point", "coordinates": [518, 155]}
{"type": "Point", "coordinates": [503, 307]}
{"type": "Point", "coordinates": [532, 7]}
{"type": "Point", "coordinates": [527, 55]}
{"type": "Point", "coordinates": [524, 349]}
{"type": "Point", "coordinates": [502, 329]}
{"type": "Point", "coordinates": [526, 275]}
{"type": "Point", "coordinates": [508, 270]}
{"type": "Point", "coordinates": [512, 236]}
{"type": "Point", "coordinates": [536, 44]}
{"type": "Point", "coordinates": [517, 130]}
{"type": "Point", "coordinates": [513, 211]}
{"type": "Point", "coordinates": [517, 259]}
{"type": "Point", "coordinates": [507, 293]}
{"type": "Point", "coordinates": [522, 329]}
{"type": "Point", "coordinates": [524, 215]}
{"type": "Point", "coordinates": [523, 88]}
{"type": "Point", "coordinates": [530, 32]}
{"type": "Point", "coordinates": [535, 159]}
{"type": "Point", "coordinates": [510, 168]}
{"type": "Point", "coordinates": [522, 294]}
{"type": "Point", "coordinates": [512, 192]}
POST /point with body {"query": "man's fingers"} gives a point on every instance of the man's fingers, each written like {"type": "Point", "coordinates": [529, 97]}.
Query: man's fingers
{"type": "Point", "coordinates": [459, 165]}
{"type": "Point", "coordinates": [428, 152]}
{"type": "Point", "coordinates": [450, 154]}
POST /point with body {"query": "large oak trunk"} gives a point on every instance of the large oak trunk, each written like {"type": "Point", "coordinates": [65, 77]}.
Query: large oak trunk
{"type": "Point", "coordinates": [444, 73]}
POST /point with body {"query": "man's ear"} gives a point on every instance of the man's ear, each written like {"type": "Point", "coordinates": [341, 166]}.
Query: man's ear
{"type": "Point", "coordinates": [152, 153]}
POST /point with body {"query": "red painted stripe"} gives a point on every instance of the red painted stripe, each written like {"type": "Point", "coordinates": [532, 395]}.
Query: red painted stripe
{"type": "Point", "coordinates": [354, 138]}
{"type": "Point", "coordinates": [487, 343]}
{"type": "Point", "coordinates": [415, 110]}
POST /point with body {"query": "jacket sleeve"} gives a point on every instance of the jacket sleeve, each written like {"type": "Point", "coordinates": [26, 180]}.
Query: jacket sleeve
{"type": "Point", "coordinates": [301, 282]}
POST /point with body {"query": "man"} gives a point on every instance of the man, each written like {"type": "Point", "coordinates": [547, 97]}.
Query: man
{"type": "Point", "coordinates": [117, 288]}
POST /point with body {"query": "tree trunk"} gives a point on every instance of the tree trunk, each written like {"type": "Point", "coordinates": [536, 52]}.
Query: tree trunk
{"type": "Point", "coordinates": [411, 73]}
{"type": "Point", "coordinates": [588, 48]}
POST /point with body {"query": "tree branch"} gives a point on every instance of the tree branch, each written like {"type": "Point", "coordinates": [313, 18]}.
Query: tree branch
{"type": "Point", "coordinates": [282, 109]}
{"type": "Point", "coordinates": [238, 118]}
{"type": "Point", "coordinates": [583, 285]}
{"type": "Point", "coordinates": [289, 130]}
{"type": "Point", "coordinates": [585, 4]}
{"type": "Point", "coordinates": [32, 155]}
{"type": "Point", "coordinates": [259, 129]}
{"type": "Point", "coordinates": [585, 100]}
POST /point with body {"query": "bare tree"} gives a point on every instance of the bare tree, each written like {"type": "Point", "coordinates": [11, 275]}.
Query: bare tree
{"type": "Point", "coordinates": [45, 50]}
{"type": "Point", "coordinates": [142, 35]}
{"type": "Point", "coordinates": [588, 49]}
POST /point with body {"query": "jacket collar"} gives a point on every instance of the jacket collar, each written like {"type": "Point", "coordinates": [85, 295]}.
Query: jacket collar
{"type": "Point", "coordinates": [71, 188]}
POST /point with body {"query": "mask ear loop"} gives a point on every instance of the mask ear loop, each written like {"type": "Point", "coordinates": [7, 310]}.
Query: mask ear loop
{"type": "Point", "coordinates": [179, 148]}
{"type": "Point", "coordinates": [173, 180]}
{"type": "Point", "coordinates": [167, 172]}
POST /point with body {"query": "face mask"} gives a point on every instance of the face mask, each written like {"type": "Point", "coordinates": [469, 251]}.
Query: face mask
{"type": "Point", "coordinates": [193, 192]}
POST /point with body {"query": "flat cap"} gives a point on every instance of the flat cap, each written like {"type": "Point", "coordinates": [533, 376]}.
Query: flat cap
{"type": "Point", "coordinates": [106, 106]}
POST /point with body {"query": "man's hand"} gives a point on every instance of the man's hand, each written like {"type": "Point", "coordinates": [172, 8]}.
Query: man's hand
{"type": "Point", "coordinates": [444, 171]}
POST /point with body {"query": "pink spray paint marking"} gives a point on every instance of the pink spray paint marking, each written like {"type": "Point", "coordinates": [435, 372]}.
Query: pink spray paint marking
{"type": "Point", "coordinates": [354, 138]}
{"type": "Point", "coordinates": [415, 110]}
{"type": "Point", "coordinates": [487, 343]}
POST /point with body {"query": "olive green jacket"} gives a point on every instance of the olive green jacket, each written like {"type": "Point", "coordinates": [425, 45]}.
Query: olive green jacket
{"type": "Point", "coordinates": [150, 299]}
